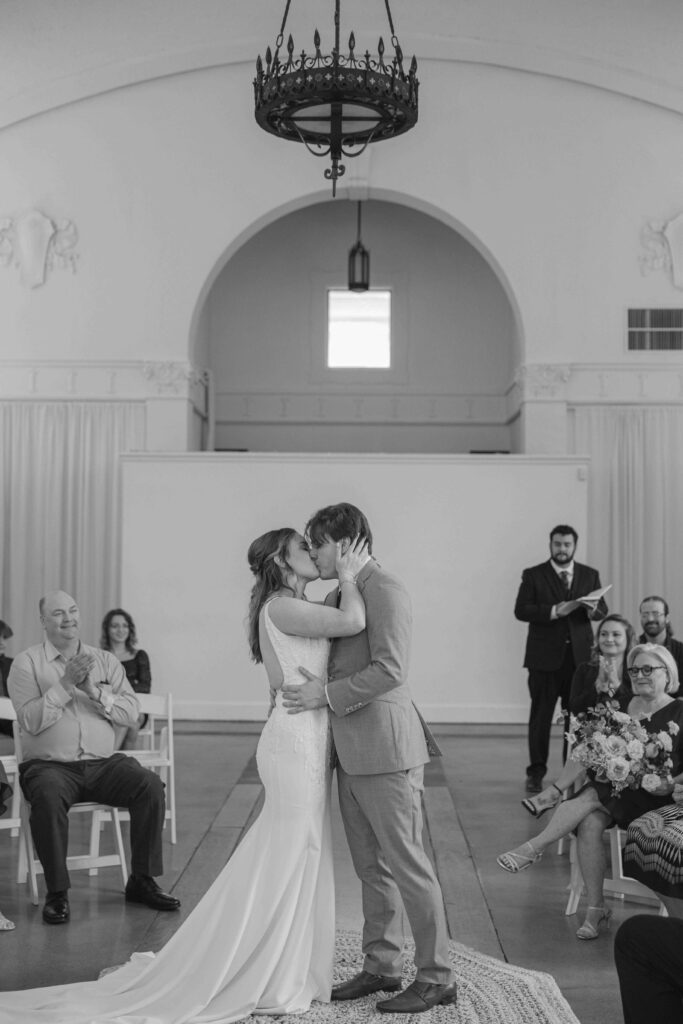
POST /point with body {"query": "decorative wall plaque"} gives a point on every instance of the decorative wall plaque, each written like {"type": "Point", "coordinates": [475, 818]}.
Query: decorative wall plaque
{"type": "Point", "coordinates": [34, 244]}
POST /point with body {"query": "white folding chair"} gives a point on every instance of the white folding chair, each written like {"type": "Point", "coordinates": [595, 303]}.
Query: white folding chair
{"type": "Point", "coordinates": [29, 864]}
{"type": "Point", "coordinates": [159, 754]}
{"type": "Point", "coordinates": [618, 884]}
{"type": "Point", "coordinates": [11, 766]}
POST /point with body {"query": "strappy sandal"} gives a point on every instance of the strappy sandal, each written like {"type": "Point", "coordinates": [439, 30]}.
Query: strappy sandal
{"type": "Point", "coordinates": [515, 860]}
{"type": "Point", "coordinates": [533, 806]}
{"type": "Point", "coordinates": [5, 924]}
{"type": "Point", "coordinates": [588, 930]}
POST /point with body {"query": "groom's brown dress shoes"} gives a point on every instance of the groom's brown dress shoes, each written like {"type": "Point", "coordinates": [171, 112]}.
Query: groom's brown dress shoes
{"type": "Point", "coordinates": [420, 996]}
{"type": "Point", "coordinates": [364, 984]}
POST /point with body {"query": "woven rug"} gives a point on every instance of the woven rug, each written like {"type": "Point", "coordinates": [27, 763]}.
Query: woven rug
{"type": "Point", "coordinates": [489, 992]}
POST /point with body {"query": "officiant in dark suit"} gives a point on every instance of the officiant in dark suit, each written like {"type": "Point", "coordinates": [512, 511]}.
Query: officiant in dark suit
{"type": "Point", "coordinates": [560, 637]}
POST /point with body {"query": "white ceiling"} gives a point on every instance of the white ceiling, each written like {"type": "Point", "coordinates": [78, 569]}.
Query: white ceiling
{"type": "Point", "coordinates": [56, 51]}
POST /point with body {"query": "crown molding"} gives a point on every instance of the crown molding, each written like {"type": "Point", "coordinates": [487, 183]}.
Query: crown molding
{"type": "Point", "coordinates": [90, 380]}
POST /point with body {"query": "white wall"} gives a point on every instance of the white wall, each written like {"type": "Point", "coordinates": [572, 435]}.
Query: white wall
{"type": "Point", "coordinates": [162, 180]}
{"type": "Point", "coordinates": [454, 338]}
{"type": "Point", "coordinates": [458, 530]}
{"type": "Point", "coordinates": [550, 180]}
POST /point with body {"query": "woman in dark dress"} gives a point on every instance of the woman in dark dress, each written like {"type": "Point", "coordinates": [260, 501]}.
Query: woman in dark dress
{"type": "Point", "coordinates": [654, 677]}
{"type": "Point", "coordinates": [5, 665]}
{"type": "Point", "coordinates": [6, 730]}
{"type": "Point", "coordinates": [120, 637]}
{"type": "Point", "coordinates": [653, 853]}
{"type": "Point", "coordinates": [603, 677]}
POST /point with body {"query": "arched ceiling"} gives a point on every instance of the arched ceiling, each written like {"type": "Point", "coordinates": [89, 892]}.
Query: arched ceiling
{"type": "Point", "coordinates": [54, 52]}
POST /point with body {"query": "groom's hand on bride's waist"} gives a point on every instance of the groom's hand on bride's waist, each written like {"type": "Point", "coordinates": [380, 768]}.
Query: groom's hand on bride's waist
{"type": "Point", "coordinates": [305, 696]}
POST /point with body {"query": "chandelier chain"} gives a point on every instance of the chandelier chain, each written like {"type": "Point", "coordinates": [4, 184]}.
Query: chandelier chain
{"type": "Point", "coordinates": [394, 38]}
{"type": "Point", "coordinates": [281, 36]}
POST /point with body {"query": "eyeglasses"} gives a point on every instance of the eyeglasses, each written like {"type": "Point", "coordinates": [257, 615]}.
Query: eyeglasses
{"type": "Point", "coordinates": [643, 670]}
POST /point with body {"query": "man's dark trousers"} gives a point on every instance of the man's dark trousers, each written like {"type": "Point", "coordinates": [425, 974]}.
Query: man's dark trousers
{"type": "Point", "coordinates": [545, 688]}
{"type": "Point", "coordinates": [648, 953]}
{"type": "Point", "coordinates": [51, 787]}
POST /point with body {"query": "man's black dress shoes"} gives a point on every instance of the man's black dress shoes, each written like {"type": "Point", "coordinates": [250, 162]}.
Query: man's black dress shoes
{"type": "Point", "coordinates": [143, 889]}
{"type": "Point", "coordinates": [420, 996]}
{"type": "Point", "coordinates": [364, 984]}
{"type": "Point", "coordinates": [534, 783]}
{"type": "Point", "coordinates": [56, 909]}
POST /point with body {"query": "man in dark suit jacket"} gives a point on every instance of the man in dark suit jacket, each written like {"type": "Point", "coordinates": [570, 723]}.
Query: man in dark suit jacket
{"type": "Point", "coordinates": [560, 637]}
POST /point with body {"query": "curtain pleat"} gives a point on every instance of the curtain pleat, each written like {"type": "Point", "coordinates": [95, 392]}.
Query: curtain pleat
{"type": "Point", "coordinates": [59, 473]}
{"type": "Point", "coordinates": [635, 502]}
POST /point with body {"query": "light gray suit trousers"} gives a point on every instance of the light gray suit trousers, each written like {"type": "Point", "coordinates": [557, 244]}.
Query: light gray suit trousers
{"type": "Point", "coordinates": [381, 749]}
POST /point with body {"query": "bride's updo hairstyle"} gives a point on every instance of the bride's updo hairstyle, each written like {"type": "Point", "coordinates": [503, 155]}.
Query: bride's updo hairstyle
{"type": "Point", "coordinates": [269, 575]}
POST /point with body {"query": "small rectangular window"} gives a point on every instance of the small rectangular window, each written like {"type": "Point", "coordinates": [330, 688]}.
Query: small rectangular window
{"type": "Point", "coordinates": [358, 329]}
{"type": "Point", "coordinates": [655, 330]}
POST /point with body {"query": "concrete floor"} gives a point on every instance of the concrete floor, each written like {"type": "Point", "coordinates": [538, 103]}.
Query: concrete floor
{"type": "Point", "coordinates": [472, 813]}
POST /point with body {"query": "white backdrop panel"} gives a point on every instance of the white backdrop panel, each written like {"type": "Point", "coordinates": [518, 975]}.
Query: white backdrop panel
{"type": "Point", "coordinates": [457, 529]}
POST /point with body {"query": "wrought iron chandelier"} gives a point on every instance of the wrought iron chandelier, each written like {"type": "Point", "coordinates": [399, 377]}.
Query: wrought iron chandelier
{"type": "Point", "coordinates": [335, 104]}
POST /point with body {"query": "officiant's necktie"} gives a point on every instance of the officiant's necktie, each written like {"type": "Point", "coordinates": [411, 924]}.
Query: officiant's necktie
{"type": "Point", "coordinates": [564, 576]}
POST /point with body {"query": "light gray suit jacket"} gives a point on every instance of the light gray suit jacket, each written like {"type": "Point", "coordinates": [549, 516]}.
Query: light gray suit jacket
{"type": "Point", "coordinates": [375, 724]}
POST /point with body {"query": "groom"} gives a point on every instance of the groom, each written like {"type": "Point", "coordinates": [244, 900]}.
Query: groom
{"type": "Point", "coordinates": [382, 747]}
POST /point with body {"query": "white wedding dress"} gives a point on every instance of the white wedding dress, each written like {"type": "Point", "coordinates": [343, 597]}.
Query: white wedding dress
{"type": "Point", "coordinates": [262, 938]}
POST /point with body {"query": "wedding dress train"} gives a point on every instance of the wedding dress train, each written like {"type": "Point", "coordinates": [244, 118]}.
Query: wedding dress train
{"type": "Point", "coordinates": [262, 938]}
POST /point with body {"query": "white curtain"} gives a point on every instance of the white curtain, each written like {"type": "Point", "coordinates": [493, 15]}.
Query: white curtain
{"type": "Point", "coordinates": [635, 504]}
{"type": "Point", "coordinates": [60, 505]}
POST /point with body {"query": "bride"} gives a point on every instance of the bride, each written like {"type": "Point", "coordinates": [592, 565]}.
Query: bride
{"type": "Point", "coordinates": [262, 938]}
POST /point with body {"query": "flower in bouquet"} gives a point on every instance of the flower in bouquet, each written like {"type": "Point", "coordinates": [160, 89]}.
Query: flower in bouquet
{"type": "Point", "coordinates": [664, 741]}
{"type": "Point", "coordinates": [618, 750]}
{"type": "Point", "coordinates": [617, 769]}
{"type": "Point", "coordinates": [650, 782]}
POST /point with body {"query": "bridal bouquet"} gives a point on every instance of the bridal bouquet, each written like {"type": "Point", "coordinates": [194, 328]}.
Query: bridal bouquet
{"type": "Point", "coordinates": [619, 750]}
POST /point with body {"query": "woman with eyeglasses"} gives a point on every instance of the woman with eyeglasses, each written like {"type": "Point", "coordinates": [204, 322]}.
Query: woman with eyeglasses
{"type": "Point", "coordinates": [604, 677]}
{"type": "Point", "coordinates": [654, 678]}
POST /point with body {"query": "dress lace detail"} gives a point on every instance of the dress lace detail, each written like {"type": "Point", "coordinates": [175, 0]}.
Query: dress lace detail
{"type": "Point", "coordinates": [309, 732]}
{"type": "Point", "coordinates": [262, 938]}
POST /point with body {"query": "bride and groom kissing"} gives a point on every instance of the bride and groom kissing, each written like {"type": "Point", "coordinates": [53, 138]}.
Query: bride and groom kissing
{"type": "Point", "coordinates": [261, 940]}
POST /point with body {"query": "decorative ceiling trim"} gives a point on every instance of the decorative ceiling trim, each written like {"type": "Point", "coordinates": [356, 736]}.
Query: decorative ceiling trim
{"type": "Point", "coordinates": [583, 70]}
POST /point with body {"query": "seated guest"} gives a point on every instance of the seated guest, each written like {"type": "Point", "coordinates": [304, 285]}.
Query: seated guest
{"type": "Point", "coordinates": [603, 677]}
{"type": "Point", "coordinates": [653, 853]}
{"type": "Point", "coordinates": [120, 637]}
{"type": "Point", "coordinates": [648, 953]}
{"type": "Point", "coordinates": [5, 662]}
{"type": "Point", "coordinates": [589, 812]}
{"type": "Point", "coordinates": [5, 795]}
{"type": "Point", "coordinates": [68, 698]}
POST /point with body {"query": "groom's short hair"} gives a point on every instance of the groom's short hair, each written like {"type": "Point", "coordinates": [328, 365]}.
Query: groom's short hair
{"type": "Point", "coordinates": [338, 522]}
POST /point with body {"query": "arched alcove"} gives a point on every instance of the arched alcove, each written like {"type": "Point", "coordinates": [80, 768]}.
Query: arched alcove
{"type": "Point", "coordinates": [260, 326]}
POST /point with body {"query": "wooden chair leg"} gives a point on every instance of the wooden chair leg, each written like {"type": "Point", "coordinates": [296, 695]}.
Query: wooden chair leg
{"type": "Point", "coordinates": [27, 865]}
{"type": "Point", "coordinates": [96, 825]}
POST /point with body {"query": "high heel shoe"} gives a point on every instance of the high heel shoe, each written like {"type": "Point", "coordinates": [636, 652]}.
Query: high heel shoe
{"type": "Point", "coordinates": [515, 860]}
{"type": "Point", "coordinates": [5, 924]}
{"type": "Point", "coordinates": [590, 930]}
{"type": "Point", "coordinates": [538, 805]}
